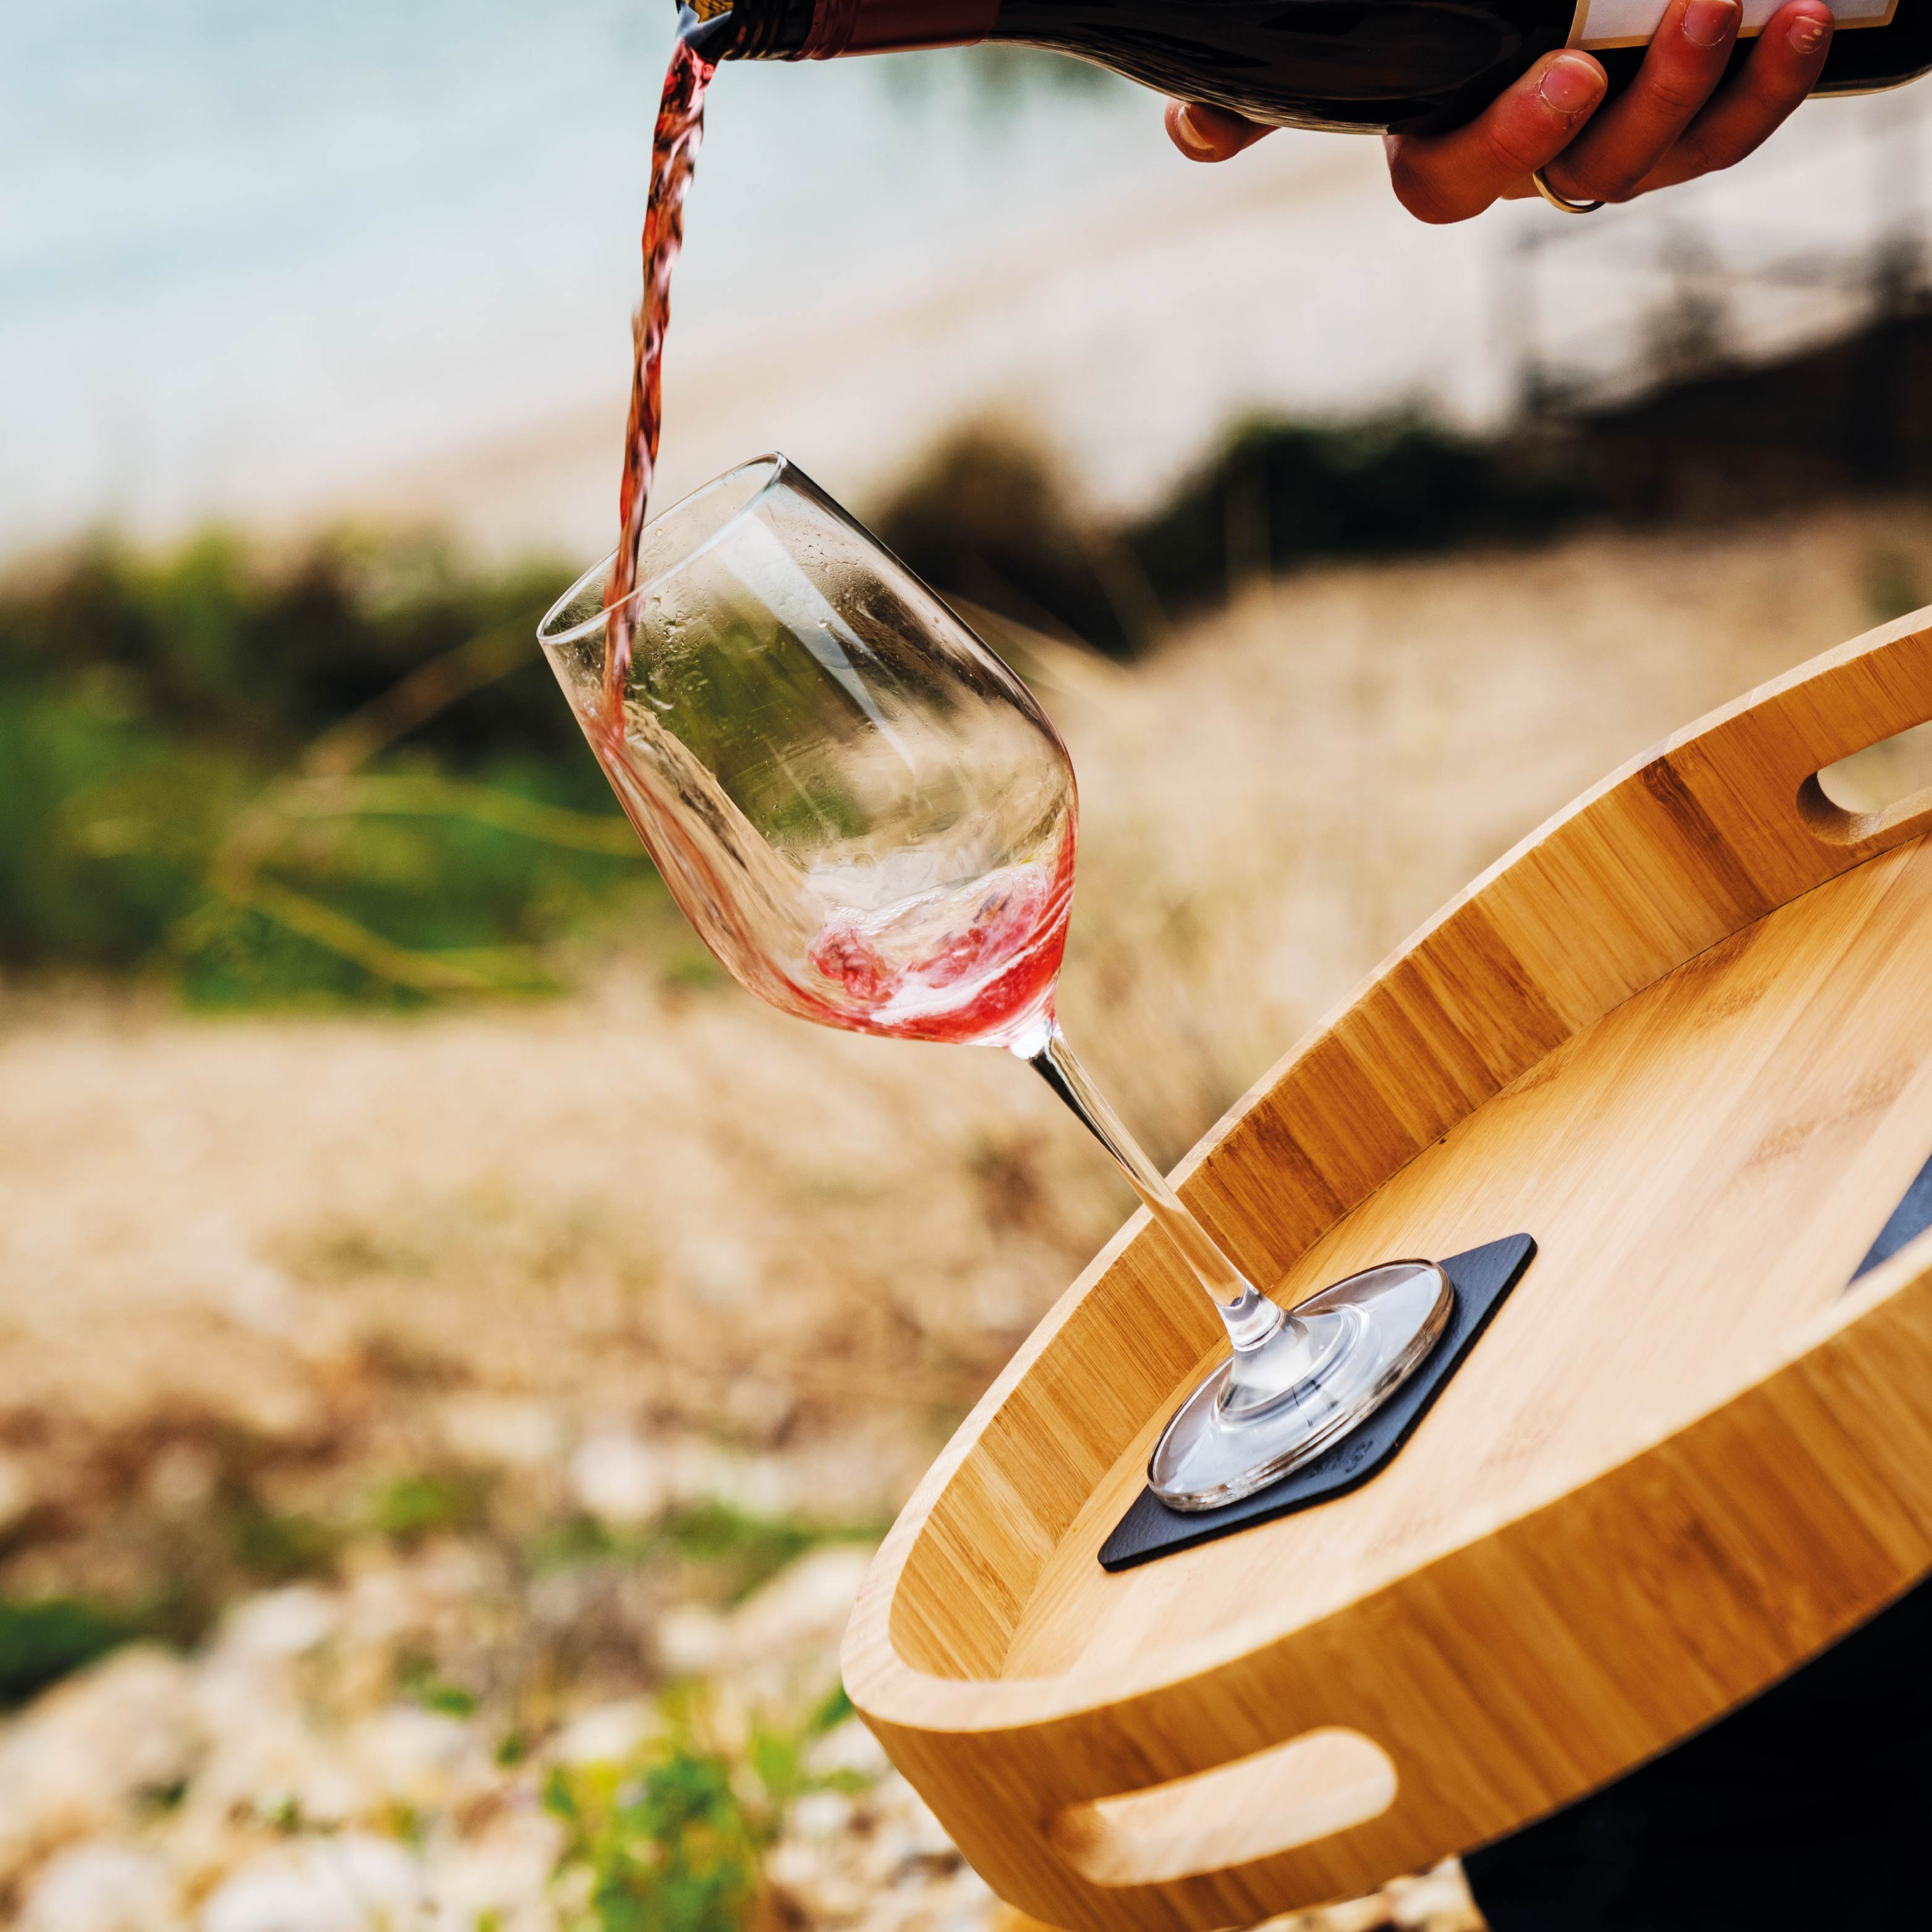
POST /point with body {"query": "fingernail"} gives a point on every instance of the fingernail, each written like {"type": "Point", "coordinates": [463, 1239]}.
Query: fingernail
{"type": "Point", "coordinates": [1571, 86]}
{"type": "Point", "coordinates": [1191, 137]}
{"type": "Point", "coordinates": [1807, 34]}
{"type": "Point", "coordinates": [1707, 22]}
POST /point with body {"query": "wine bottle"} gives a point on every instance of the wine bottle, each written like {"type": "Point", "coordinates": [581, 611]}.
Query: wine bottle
{"type": "Point", "coordinates": [1354, 64]}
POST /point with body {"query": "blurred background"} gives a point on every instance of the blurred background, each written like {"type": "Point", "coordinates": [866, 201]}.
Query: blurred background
{"type": "Point", "coordinates": [457, 1351]}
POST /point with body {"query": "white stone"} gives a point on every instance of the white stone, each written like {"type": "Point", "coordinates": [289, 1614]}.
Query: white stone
{"type": "Point", "coordinates": [692, 1642]}
{"type": "Point", "coordinates": [759, 1485]}
{"type": "Point", "coordinates": [267, 1763]}
{"type": "Point", "coordinates": [410, 1755]}
{"type": "Point", "coordinates": [625, 1481]}
{"type": "Point", "coordinates": [808, 1603]}
{"type": "Point", "coordinates": [620, 1480]}
{"type": "Point", "coordinates": [100, 1887]}
{"type": "Point", "coordinates": [281, 1623]}
{"type": "Point", "coordinates": [849, 1747]}
{"type": "Point", "coordinates": [501, 1430]}
{"type": "Point", "coordinates": [505, 1870]}
{"type": "Point", "coordinates": [349, 1884]}
{"type": "Point", "coordinates": [820, 1814]}
{"type": "Point", "coordinates": [760, 1408]}
{"type": "Point", "coordinates": [392, 1602]}
{"type": "Point", "coordinates": [722, 1271]}
{"type": "Point", "coordinates": [1436, 1901]}
{"type": "Point", "coordinates": [85, 1751]}
{"type": "Point", "coordinates": [610, 1734]}
{"type": "Point", "coordinates": [794, 1863]}
{"type": "Point", "coordinates": [924, 1836]}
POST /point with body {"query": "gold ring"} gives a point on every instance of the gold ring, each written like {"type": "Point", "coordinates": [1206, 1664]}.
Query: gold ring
{"type": "Point", "coordinates": [1562, 201]}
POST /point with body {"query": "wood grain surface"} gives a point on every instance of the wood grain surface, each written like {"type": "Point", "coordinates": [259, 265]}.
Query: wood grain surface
{"type": "Point", "coordinates": [1683, 1035]}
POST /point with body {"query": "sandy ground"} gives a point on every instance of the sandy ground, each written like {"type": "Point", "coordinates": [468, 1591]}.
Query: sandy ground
{"type": "Point", "coordinates": [650, 1245]}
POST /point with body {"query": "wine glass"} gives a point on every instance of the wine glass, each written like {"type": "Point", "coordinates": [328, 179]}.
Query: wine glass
{"type": "Point", "coordinates": [871, 823]}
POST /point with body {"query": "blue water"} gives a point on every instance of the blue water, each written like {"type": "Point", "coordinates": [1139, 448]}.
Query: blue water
{"type": "Point", "coordinates": [250, 253]}
{"type": "Point", "coordinates": [268, 262]}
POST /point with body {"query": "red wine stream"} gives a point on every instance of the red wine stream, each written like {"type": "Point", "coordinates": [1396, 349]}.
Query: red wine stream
{"type": "Point", "coordinates": [674, 145]}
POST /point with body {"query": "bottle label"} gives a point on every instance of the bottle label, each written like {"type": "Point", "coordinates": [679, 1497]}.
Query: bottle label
{"type": "Point", "coordinates": [1631, 23]}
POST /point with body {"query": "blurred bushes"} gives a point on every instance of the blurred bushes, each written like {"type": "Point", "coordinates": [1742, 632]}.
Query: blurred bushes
{"type": "Point", "coordinates": [350, 778]}
{"type": "Point", "coordinates": [986, 517]}
{"type": "Point", "coordinates": [1278, 494]}
{"type": "Point", "coordinates": [219, 648]}
{"type": "Point", "coordinates": [41, 1643]}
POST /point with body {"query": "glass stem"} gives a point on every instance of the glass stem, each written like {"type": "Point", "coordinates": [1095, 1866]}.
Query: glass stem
{"type": "Point", "coordinates": [1252, 1319]}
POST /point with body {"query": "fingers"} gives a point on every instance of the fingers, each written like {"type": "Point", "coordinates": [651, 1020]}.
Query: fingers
{"type": "Point", "coordinates": [1625, 143]}
{"type": "Point", "coordinates": [1673, 123]}
{"type": "Point", "coordinates": [1209, 133]}
{"type": "Point", "coordinates": [1782, 69]}
{"type": "Point", "coordinates": [1450, 177]}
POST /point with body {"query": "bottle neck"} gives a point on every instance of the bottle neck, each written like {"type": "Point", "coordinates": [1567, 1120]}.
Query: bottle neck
{"type": "Point", "coordinates": [823, 29]}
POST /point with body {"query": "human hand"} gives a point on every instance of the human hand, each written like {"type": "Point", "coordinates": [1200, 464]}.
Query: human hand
{"type": "Point", "coordinates": [1672, 124]}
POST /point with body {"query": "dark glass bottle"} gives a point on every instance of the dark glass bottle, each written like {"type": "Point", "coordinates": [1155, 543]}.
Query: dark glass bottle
{"type": "Point", "coordinates": [1343, 64]}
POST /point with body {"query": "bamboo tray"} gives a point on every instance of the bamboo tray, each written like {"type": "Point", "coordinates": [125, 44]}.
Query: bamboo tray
{"type": "Point", "coordinates": [1683, 1035]}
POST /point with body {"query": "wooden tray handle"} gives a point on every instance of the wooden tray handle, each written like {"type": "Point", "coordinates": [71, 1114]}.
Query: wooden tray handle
{"type": "Point", "coordinates": [1846, 703]}
{"type": "Point", "coordinates": [1838, 825]}
{"type": "Point", "coordinates": [1258, 1806]}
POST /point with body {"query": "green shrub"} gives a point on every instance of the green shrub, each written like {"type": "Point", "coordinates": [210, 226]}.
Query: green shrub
{"type": "Point", "coordinates": [277, 1546]}
{"type": "Point", "coordinates": [351, 780]}
{"type": "Point", "coordinates": [1279, 494]}
{"type": "Point", "coordinates": [986, 518]}
{"type": "Point", "coordinates": [741, 1549]}
{"type": "Point", "coordinates": [673, 1841]}
{"type": "Point", "coordinates": [670, 1847]}
{"type": "Point", "coordinates": [418, 1506]}
{"type": "Point", "coordinates": [41, 1643]}
{"type": "Point", "coordinates": [210, 646]}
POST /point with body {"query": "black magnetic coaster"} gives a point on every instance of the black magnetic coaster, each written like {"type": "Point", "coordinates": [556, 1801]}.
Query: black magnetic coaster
{"type": "Point", "coordinates": [1482, 1278]}
{"type": "Point", "coordinates": [1909, 1220]}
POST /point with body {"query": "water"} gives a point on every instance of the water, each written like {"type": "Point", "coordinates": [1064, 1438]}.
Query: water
{"type": "Point", "coordinates": [277, 263]}
{"type": "Point", "coordinates": [257, 256]}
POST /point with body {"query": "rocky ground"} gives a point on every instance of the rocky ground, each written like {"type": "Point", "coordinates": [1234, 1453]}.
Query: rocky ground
{"type": "Point", "coordinates": [477, 1424]}
{"type": "Point", "coordinates": [276, 1781]}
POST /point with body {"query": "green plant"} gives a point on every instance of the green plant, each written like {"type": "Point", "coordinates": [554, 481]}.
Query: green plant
{"type": "Point", "coordinates": [746, 1549]}
{"type": "Point", "coordinates": [739, 1548]}
{"type": "Point", "coordinates": [417, 1506]}
{"type": "Point", "coordinates": [350, 781]}
{"type": "Point", "coordinates": [416, 1680]}
{"type": "Point", "coordinates": [666, 1846]}
{"type": "Point", "coordinates": [278, 1547]}
{"type": "Point", "coordinates": [674, 1841]}
{"type": "Point", "coordinates": [41, 1643]}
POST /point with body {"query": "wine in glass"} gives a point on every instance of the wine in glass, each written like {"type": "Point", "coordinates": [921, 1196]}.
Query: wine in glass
{"type": "Point", "coordinates": [871, 823]}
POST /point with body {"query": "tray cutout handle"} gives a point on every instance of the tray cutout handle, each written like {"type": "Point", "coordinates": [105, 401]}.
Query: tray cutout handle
{"type": "Point", "coordinates": [1256, 1806]}
{"type": "Point", "coordinates": [1899, 817]}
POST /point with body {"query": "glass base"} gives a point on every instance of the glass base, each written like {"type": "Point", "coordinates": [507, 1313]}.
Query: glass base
{"type": "Point", "coordinates": [1331, 1364]}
